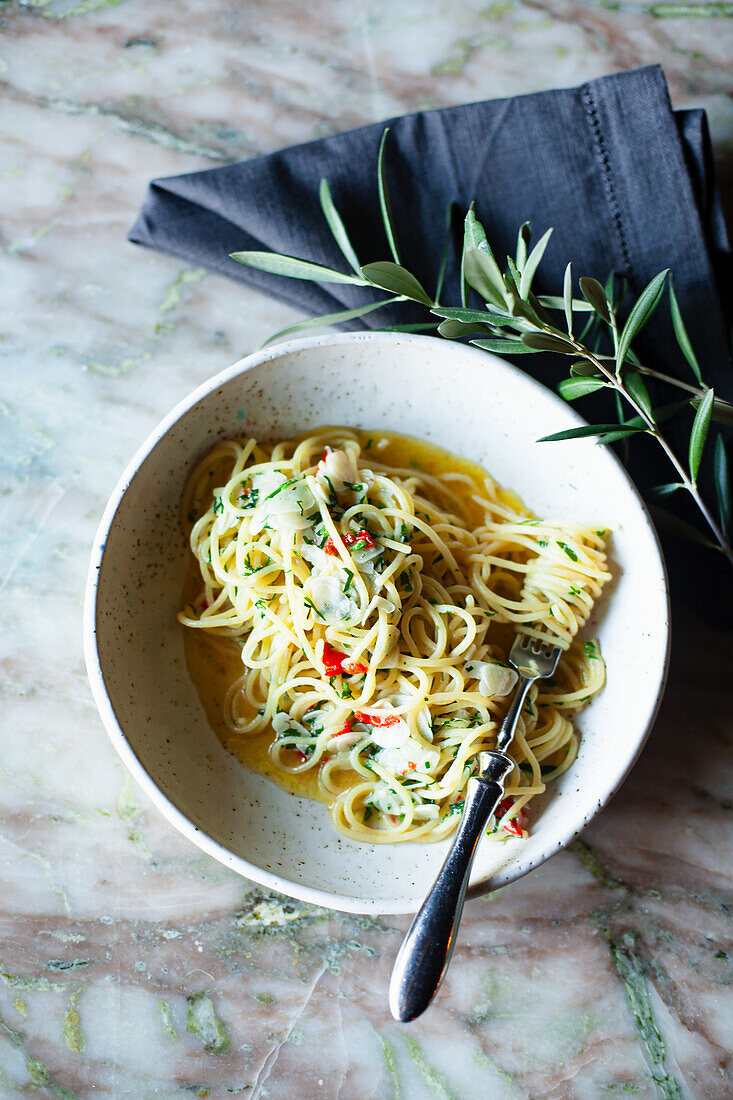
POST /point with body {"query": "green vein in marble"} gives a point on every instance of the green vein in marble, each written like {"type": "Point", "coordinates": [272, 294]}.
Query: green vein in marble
{"type": "Point", "coordinates": [167, 1019]}
{"type": "Point", "coordinates": [67, 964]}
{"type": "Point", "coordinates": [497, 10]}
{"type": "Point", "coordinates": [334, 950]}
{"type": "Point", "coordinates": [275, 915]}
{"type": "Point", "coordinates": [184, 278]}
{"type": "Point", "coordinates": [42, 984]}
{"type": "Point", "coordinates": [631, 971]}
{"type": "Point", "coordinates": [482, 1059]}
{"type": "Point", "coordinates": [125, 366]}
{"type": "Point", "coordinates": [266, 999]}
{"type": "Point", "coordinates": [390, 1062]}
{"type": "Point", "coordinates": [39, 1075]}
{"type": "Point", "coordinates": [683, 11]}
{"type": "Point", "coordinates": [171, 298]}
{"type": "Point", "coordinates": [430, 1076]}
{"type": "Point", "coordinates": [128, 809]}
{"type": "Point", "coordinates": [137, 127]}
{"type": "Point", "coordinates": [591, 862]}
{"type": "Point", "coordinates": [206, 1025]}
{"type": "Point", "coordinates": [85, 7]}
{"type": "Point", "coordinates": [73, 1034]}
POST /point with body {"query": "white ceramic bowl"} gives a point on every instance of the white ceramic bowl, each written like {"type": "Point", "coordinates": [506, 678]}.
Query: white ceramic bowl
{"type": "Point", "coordinates": [462, 399]}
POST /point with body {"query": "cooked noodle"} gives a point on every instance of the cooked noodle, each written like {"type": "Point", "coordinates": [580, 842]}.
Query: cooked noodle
{"type": "Point", "coordinates": [373, 608]}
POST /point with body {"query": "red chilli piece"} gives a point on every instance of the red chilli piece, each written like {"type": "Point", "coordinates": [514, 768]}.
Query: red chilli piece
{"type": "Point", "coordinates": [346, 728]}
{"type": "Point", "coordinates": [376, 719]}
{"type": "Point", "coordinates": [330, 547]}
{"type": "Point", "coordinates": [301, 755]}
{"type": "Point", "coordinates": [333, 660]}
{"type": "Point", "coordinates": [354, 667]}
{"type": "Point", "coordinates": [512, 827]}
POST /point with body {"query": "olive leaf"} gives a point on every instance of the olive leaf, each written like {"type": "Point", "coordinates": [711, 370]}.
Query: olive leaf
{"type": "Point", "coordinates": [482, 272]}
{"type": "Point", "coordinates": [722, 410]}
{"type": "Point", "coordinates": [567, 293]}
{"type": "Point", "coordinates": [533, 262]}
{"type": "Point", "coordinates": [523, 237]}
{"type": "Point", "coordinates": [397, 279]}
{"type": "Point", "coordinates": [590, 430]}
{"type": "Point", "coordinates": [276, 264]}
{"type": "Point", "coordinates": [681, 333]}
{"type": "Point", "coordinates": [572, 388]}
{"type": "Point", "coordinates": [595, 295]}
{"type": "Point", "coordinates": [637, 388]}
{"type": "Point", "coordinates": [504, 347]}
{"type": "Point", "coordinates": [722, 483]}
{"type": "Point", "coordinates": [328, 319]}
{"type": "Point", "coordinates": [479, 316]}
{"type": "Point", "coordinates": [474, 239]}
{"type": "Point", "coordinates": [646, 304]}
{"type": "Point", "coordinates": [385, 204]}
{"type": "Point", "coordinates": [541, 341]}
{"type": "Point", "coordinates": [667, 490]}
{"type": "Point", "coordinates": [336, 225]}
{"type": "Point", "coordinates": [453, 330]}
{"type": "Point", "coordinates": [699, 433]}
{"type": "Point", "coordinates": [557, 301]}
{"type": "Point", "coordinates": [680, 527]}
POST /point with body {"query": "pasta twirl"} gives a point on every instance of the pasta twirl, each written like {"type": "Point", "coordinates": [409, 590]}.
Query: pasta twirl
{"type": "Point", "coordinates": [369, 604]}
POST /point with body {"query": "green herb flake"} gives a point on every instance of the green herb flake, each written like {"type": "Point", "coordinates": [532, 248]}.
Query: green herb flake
{"type": "Point", "coordinates": [589, 648]}
{"type": "Point", "coordinates": [309, 603]}
{"type": "Point", "coordinates": [568, 550]}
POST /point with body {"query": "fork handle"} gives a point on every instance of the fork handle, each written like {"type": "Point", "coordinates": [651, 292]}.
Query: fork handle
{"type": "Point", "coordinates": [506, 733]}
{"type": "Point", "coordinates": [423, 959]}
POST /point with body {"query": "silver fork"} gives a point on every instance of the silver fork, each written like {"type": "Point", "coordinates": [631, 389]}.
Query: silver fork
{"type": "Point", "coordinates": [423, 959]}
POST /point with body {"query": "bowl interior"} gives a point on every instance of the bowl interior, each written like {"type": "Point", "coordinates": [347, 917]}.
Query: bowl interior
{"type": "Point", "coordinates": [461, 399]}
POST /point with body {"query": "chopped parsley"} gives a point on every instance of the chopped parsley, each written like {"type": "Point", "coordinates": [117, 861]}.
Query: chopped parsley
{"type": "Point", "coordinates": [218, 505]}
{"type": "Point", "coordinates": [309, 603]}
{"type": "Point", "coordinates": [568, 550]}
{"type": "Point", "coordinates": [589, 648]}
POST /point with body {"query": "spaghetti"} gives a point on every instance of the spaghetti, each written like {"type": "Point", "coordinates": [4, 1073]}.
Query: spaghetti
{"type": "Point", "coordinates": [371, 607]}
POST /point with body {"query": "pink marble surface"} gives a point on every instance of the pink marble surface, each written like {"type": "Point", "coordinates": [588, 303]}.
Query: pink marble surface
{"type": "Point", "coordinates": [132, 966]}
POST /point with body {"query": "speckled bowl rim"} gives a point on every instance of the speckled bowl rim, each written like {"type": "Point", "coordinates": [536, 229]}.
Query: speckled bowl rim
{"type": "Point", "coordinates": [510, 872]}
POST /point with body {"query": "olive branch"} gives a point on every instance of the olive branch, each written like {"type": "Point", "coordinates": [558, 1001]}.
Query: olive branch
{"type": "Point", "coordinates": [513, 320]}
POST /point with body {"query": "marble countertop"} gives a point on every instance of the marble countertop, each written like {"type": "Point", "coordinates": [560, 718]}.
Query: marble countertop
{"type": "Point", "coordinates": [131, 965]}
